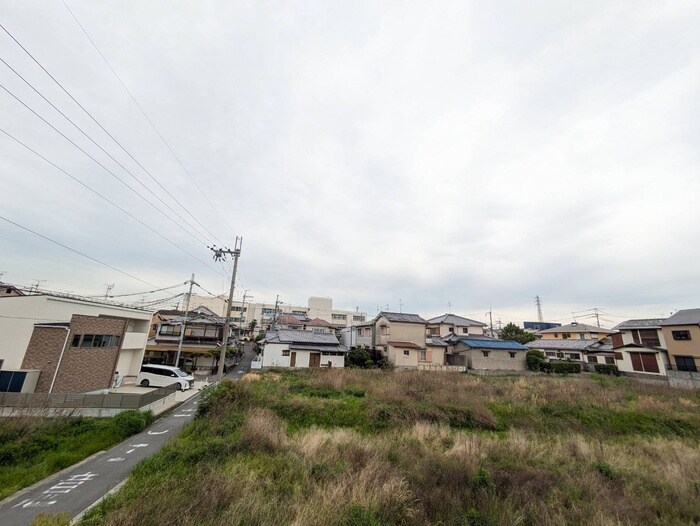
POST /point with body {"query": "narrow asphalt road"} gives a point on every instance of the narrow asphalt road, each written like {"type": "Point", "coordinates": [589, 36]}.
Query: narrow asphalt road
{"type": "Point", "coordinates": [78, 488]}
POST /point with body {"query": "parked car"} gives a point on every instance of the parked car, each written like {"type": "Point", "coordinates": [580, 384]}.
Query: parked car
{"type": "Point", "coordinates": [153, 375]}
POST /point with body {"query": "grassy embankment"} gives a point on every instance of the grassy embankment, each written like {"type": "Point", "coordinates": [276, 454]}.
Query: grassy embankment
{"type": "Point", "coordinates": [33, 448]}
{"type": "Point", "coordinates": [354, 447]}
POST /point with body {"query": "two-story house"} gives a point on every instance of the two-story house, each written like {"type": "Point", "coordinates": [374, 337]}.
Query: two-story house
{"type": "Point", "coordinates": [574, 330]}
{"type": "Point", "coordinates": [201, 341]}
{"type": "Point", "coordinates": [401, 339]}
{"type": "Point", "coordinates": [640, 347]}
{"type": "Point", "coordinates": [451, 324]}
{"type": "Point", "coordinates": [681, 333]}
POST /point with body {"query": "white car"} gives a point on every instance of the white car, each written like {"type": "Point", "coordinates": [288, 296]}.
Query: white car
{"type": "Point", "coordinates": [153, 375]}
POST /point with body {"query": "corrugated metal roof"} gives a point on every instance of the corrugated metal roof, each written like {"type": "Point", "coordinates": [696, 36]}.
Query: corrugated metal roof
{"type": "Point", "coordinates": [401, 317]}
{"type": "Point", "coordinates": [684, 317]}
{"type": "Point", "coordinates": [493, 344]}
{"type": "Point", "coordinates": [648, 323]}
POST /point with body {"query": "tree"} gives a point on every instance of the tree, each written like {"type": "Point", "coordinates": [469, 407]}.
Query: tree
{"type": "Point", "coordinates": [514, 333]}
{"type": "Point", "coordinates": [359, 358]}
{"type": "Point", "coordinates": [535, 359]}
{"type": "Point", "coordinates": [252, 325]}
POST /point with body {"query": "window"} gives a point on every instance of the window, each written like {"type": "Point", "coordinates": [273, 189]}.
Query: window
{"type": "Point", "coordinates": [299, 312]}
{"type": "Point", "coordinates": [285, 352]}
{"type": "Point", "coordinates": [512, 354]}
{"type": "Point", "coordinates": [685, 363]}
{"type": "Point", "coordinates": [423, 356]}
{"type": "Point", "coordinates": [384, 330]}
{"type": "Point", "coordinates": [358, 318]}
{"type": "Point", "coordinates": [617, 340]}
{"type": "Point", "coordinates": [592, 359]}
{"type": "Point", "coordinates": [407, 353]}
{"type": "Point", "coordinates": [465, 330]}
{"type": "Point", "coordinates": [170, 330]}
{"type": "Point", "coordinates": [556, 335]}
{"type": "Point", "coordinates": [566, 335]}
{"type": "Point", "coordinates": [485, 353]}
{"type": "Point", "coordinates": [581, 336]}
{"type": "Point", "coordinates": [339, 316]}
{"type": "Point", "coordinates": [649, 337]}
{"type": "Point", "coordinates": [574, 356]}
{"type": "Point", "coordinates": [434, 331]}
{"type": "Point", "coordinates": [681, 335]}
{"type": "Point", "coordinates": [551, 353]}
{"type": "Point", "coordinates": [76, 341]}
{"type": "Point", "coordinates": [87, 341]}
{"type": "Point", "coordinates": [610, 360]}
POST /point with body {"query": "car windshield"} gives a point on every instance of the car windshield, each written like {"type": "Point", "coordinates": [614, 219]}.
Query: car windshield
{"type": "Point", "coordinates": [180, 373]}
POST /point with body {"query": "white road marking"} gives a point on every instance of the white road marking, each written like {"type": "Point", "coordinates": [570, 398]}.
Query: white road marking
{"type": "Point", "coordinates": [180, 416]}
{"type": "Point", "coordinates": [116, 459]}
{"type": "Point", "coordinates": [64, 486]}
{"type": "Point", "coordinates": [139, 445]}
{"type": "Point", "coordinates": [188, 410]}
{"type": "Point", "coordinates": [130, 451]}
{"type": "Point", "coordinates": [157, 432]}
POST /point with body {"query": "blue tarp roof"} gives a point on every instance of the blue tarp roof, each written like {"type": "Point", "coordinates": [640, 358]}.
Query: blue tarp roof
{"type": "Point", "coordinates": [493, 344]}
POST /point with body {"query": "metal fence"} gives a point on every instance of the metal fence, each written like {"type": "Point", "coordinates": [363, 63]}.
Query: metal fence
{"type": "Point", "coordinates": [76, 401]}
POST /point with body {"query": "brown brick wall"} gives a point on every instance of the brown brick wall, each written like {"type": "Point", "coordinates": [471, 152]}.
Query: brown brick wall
{"type": "Point", "coordinates": [43, 352]}
{"type": "Point", "coordinates": [89, 369]}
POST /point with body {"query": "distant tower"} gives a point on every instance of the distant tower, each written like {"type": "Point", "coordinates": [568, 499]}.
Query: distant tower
{"type": "Point", "coordinates": [538, 302]}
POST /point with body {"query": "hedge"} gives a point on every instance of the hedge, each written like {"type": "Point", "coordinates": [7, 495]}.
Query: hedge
{"type": "Point", "coordinates": [560, 367]}
{"type": "Point", "coordinates": [606, 368]}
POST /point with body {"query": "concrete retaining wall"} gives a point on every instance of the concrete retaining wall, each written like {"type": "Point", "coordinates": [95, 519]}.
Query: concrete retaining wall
{"type": "Point", "coordinates": [683, 379]}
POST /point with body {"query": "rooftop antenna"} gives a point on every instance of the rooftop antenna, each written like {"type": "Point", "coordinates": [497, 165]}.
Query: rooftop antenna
{"type": "Point", "coordinates": [109, 286]}
{"type": "Point", "coordinates": [449, 307]}
{"type": "Point", "coordinates": [2, 273]}
{"type": "Point", "coordinates": [538, 302]}
{"type": "Point", "coordinates": [35, 287]}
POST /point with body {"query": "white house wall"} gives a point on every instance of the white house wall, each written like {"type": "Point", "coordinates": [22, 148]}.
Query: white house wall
{"type": "Point", "coordinates": [625, 364]}
{"type": "Point", "coordinates": [18, 315]}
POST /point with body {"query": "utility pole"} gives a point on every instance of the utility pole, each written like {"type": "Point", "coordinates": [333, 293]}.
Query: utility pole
{"type": "Point", "coordinates": [449, 307]}
{"type": "Point", "coordinates": [220, 254]}
{"type": "Point", "coordinates": [241, 318]}
{"type": "Point", "coordinates": [538, 302]}
{"type": "Point", "coordinates": [597, 317]}
{"type": "Point", "coordinates": [400, 305]}
{"type": "Point", "coordinates": [35, 287]}
{"type": "Point", "coordinates": [491, 322]}
{"type": "Point", "coordinates": [184, 323]}
{"type": "Point", "coordinates": [274, 315]}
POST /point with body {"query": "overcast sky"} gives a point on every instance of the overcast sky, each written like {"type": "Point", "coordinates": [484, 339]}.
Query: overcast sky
{"type": "Point", "coordinates": [472, 153]}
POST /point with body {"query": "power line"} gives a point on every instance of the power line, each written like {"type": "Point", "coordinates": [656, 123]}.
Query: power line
{"type": "Point", "coordinates": [143, 112]}
{"type": "Point", "coordinates": [77, 251]}
{"type": "Point", "coordinates": [200, 240]}
{"type": "Point", "coordinates": [141, 293]}
{"type": "Point", "coordinates": [33, 88]}
{"type": "Point", "coordinates": [86, 186]}
{"type": "Point", "coordinates": [109, 134]}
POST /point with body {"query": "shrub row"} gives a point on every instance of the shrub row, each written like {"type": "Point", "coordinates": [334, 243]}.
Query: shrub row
{"type": "Point", "coordinates": [560, 367]}
{"type": "Point", "coordinates": [606, 368]}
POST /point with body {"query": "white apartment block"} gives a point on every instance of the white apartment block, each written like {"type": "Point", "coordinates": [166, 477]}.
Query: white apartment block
{"type": "Point", "coordinates": [317, 307]}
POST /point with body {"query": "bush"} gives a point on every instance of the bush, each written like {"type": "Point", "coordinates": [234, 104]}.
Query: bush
{"type": "Point", "coordinates": [560, 367]}
{"type": "Point", "coordinates": [607, 368]}
{"type": "Point", "coordinates": [129, 423]}
{"type": "Point", "coordinates": [359, 358]}
{"type": "Point", "coordinates": [534, 359]}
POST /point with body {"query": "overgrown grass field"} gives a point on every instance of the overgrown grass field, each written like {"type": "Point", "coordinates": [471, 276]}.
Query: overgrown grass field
{"type": "Point", "coordinates": [33, 448]}
{"type": "Point", "coordinates": [370, 447]}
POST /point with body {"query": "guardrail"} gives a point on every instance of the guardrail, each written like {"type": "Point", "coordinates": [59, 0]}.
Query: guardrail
{"type": "Point", "coordinates": [80, 401]}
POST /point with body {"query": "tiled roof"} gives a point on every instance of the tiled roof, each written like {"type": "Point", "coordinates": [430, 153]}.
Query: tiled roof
{"type": "Point", "coordinates": [493, 344]}
{"type": "Point", "coordinates": [312, 347]}
{"type": "Point", "coordinates": [648, 323]}
{"type": "Point", "coordinates": [436, 342]}
{"type": "Point", "coordinates": [564, 345]}
{"type": "Point", "coordinates": [641, 348]}
{"type": "Point", "coordinates": [318, 322]}
{"type": "Point", "coordinates": [405, 345]}
{"type": "Point", "coordinates": [684, 317]}
{"type": "Point", "coordinates": [290, 319]}
{"type": "Point", "coordinates": [401, 317]}
{"type": "Point", "coordinates": [576, 327]}
{"type": "Point", "coordinates": [301, 337]}
{"type": "Point", "coordinates": [453, 319]}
